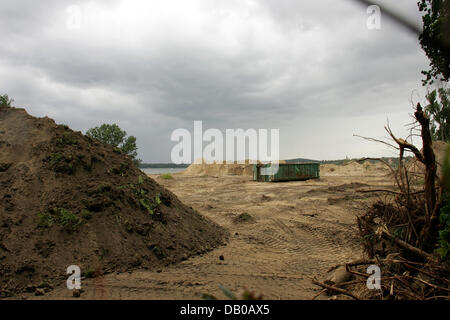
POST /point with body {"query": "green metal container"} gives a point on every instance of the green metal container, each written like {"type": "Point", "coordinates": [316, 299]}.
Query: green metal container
{"type": "Point", "coordinates": [288, 172]}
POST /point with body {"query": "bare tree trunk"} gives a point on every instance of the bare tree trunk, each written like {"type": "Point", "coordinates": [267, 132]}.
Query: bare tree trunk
{"type": "Point", "coordinates": [429, 161]}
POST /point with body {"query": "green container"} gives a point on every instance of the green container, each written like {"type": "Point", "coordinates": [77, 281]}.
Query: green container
{"type": "Point", "coordinates": [288, 172]}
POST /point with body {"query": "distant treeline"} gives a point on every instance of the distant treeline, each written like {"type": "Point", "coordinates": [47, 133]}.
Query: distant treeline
{"type": "Point", "coordinates": [391, 160]}
{"type": "Point", "coordinates": [162, 165]}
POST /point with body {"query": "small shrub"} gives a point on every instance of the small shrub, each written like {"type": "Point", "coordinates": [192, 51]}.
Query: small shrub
{"type": "Point", "coordinates": [166, 176]}
{"type": "Point", "coordinates": [5, 100]}
{"type": "Point", "coordinates": [69, 221]}
{"type": "Point", "coordinates": [45, 220]}
{"type": "Point", "coordinates": [244, 217]}
{"type": "Point", "coordinates": [66, 139]}
{"type": "Point", "coordinates": [444, 234]}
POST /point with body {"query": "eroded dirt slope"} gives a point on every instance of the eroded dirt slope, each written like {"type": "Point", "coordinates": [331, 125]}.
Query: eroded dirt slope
{"type": "Point", "coordinates": [66, 199]}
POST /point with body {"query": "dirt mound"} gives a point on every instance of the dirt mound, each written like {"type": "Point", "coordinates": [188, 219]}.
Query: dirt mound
{"type": "Point", "coordinates": [67, 199]}
{"type": "Point", "coordinates": [354, 168]}
{"type": "Point", "coordinates": [439, 149]}
{"type": "Point", "coordinates": [219, 169]}
{"type": "Point", "coordinates": [214, 169]}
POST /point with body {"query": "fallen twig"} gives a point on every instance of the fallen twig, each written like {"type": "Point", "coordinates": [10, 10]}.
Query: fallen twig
{"type": "Point", "coordinates": [333, 288]}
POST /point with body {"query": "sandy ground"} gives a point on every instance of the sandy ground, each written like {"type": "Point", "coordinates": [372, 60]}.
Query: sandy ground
{"type": "Point", "coordinates": [299, 230]}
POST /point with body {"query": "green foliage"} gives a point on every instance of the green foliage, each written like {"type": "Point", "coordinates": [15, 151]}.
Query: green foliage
{"type": "Point", "coordinates": [65, 218]}
{"type": "Point", "coordinates": [45, 220]}
{"type": "Point", "coordinates": [69, 221]}
{"type": "Point", "coordinates": [444, 214]}
{"type": "Point", "coordinates": [166, 176]}
{"type": "Point", "coordinates": [112, 134]}
{"type": "Point", "coordinates": [66, 139]}
{"type": "Point", "coordinates": [446, 169]}
{"type": "Point", "coordinates": [435, 38]}
{"type": "Point", "coordinates": [244, 217]}
{"type": "Point", "coordinates": [60, 162]}
{"type": "Point", "coordinates": [444, 233]}
{"type": "Point", "coordinates": [5, 101]}
{"type": "Point", "coordinates": [439, 110]}
{"type": "Point", "coordinates": [144, 202]}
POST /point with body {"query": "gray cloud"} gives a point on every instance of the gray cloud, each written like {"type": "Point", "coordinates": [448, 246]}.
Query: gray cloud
{"type": "Point", "coordinates": [310, 68]}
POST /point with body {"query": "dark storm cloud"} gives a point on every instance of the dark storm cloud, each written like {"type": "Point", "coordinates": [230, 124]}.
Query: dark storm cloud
{"type": "Point", "coordinates": [155, 66]}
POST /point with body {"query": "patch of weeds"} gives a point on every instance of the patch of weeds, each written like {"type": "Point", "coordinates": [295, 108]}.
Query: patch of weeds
{"type": "Point", "coordinates": [144, 202]}
{"type": "Point", "coordinates": [244, 217]}
{"type": "Point", "coordinates": [166, 176]}
{"type": "Point", "coordinates": [66, 139]}
{"type": "Point", "coordinates": [69, 221]}
{"type": "Point", "coordinates": [46, 220]}
{"type": "Point", "coordinates": [60, 162]}
{"type": "Point", "coordinates": [444, 233]}
{"type": "Point", "coordinates": [65, 218]}
{"type": "Point", "coordinates": [117, 150]}
{"type": "Point", "coordinates": [4, 166]}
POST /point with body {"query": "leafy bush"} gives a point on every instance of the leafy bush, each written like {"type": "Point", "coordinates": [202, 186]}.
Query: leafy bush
{"type": "Point", "coordinates": [444, 233]}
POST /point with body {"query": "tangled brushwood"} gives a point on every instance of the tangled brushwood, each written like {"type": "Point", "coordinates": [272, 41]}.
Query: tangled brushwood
{"type": "Point", "coordinates": [407, 233]}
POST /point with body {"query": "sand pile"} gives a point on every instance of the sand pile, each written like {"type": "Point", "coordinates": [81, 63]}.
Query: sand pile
{"type": "Point", "coordinates": [66, 199]}
{"type": "Point", "coordinates": [354, 168]}
{"type": "Point", "coordinates": [219, 169]}
{"type": "Point", "coordinates": [439, 149]}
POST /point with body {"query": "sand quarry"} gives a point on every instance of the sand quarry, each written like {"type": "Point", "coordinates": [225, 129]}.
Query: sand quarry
{"type": "Point", "coordinates": [289, 233]}
{"type": "Point", "coordinates": [67, 199]}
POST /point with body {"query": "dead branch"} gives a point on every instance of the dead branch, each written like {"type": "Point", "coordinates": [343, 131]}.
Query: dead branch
{"type": "Point", "coordinates": [407, 246]}
{"type": "Point", "coordinates": [333, 288]}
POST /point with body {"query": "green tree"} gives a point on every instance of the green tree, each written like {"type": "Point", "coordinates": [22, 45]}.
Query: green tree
{"type": "Point", "coordinates": [5, 100]}
{"type": "Point", "coordinates": [439, 110]}
{"type": "Point", "coordinates": [112, 134]}
{"type": "Point", "coordinates": [435, 38]}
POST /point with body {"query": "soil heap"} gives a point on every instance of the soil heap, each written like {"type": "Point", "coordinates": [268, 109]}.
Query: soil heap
{"type": "Point", "coordinates": [67, 199]}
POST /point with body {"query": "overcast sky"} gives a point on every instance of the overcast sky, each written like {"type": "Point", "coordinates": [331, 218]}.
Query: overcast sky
{"type": "Point", "coordinates": [310, 68]}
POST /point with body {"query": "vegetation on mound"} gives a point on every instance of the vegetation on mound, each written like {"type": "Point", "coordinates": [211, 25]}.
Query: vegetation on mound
{"type": "Point", "coordinates": [66, 219]}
